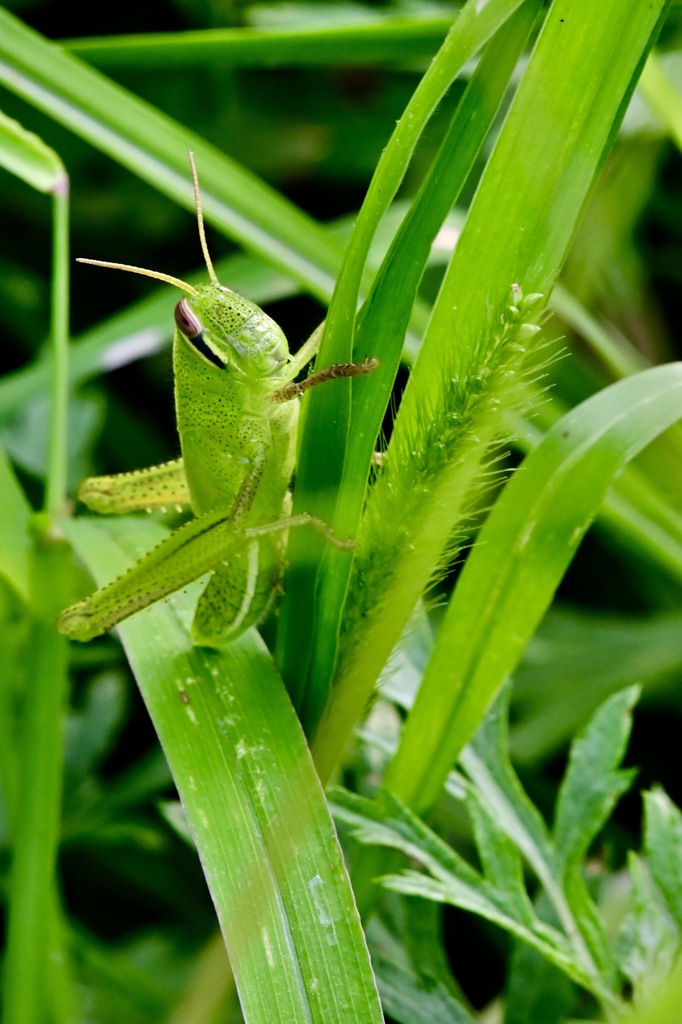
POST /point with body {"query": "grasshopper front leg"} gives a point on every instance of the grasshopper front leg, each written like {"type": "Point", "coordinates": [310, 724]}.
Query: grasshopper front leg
{"type": "Point", "coordinates": [294, 389]}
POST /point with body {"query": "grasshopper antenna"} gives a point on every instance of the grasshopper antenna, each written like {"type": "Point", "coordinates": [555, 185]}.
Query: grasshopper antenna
{"type": "Point", "coordinates": [200, 221]}
{"type": "Point", "coordinates": [156, 274]}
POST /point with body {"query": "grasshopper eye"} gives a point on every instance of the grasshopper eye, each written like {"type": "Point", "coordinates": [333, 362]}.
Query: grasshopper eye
{"type": "Point", "coordinates": [190, 325]}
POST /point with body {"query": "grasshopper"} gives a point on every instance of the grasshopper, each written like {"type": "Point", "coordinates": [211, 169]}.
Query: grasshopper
{"type": "Point", "coordinates": [236, 402]}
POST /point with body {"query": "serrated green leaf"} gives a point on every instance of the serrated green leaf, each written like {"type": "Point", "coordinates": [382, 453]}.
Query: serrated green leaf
{"type": "Point", "coordinates": [410, 996]}
{"type": "Point", "coordinates": [592, 783]}
{"type": "Point", "coordinates": [385, 822]}
{"type": "Point", "coordinates": [547, 941]}
{"type": "Point", "coordinates": [537, 991]}
{"type": "Point", "coordinates": [591, 926]}
{"type": "Point", "coordinates": [500, 859]}
{"type": "Point", "coordinates": [487, 763]}
{"type": "Point", "coordinates": [663, 845]}
{"type": "Point", "coordinates": [648, 938]}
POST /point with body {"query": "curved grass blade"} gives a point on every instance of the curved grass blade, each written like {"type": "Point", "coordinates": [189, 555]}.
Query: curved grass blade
{"type": "Point", "coordinates": [510, 577]}
{"type": "Point", "coordinates": [155, 147]}
{"type": "Point", "coordinates": [25, 154]}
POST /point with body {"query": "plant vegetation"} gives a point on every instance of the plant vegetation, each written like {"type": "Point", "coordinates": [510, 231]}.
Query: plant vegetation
{"type": "Point", "coordinates": [484, 197]}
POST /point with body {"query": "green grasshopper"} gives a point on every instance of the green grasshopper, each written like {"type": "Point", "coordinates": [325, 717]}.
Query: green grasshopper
{"type": "Point", "coordinates": [237, 407]}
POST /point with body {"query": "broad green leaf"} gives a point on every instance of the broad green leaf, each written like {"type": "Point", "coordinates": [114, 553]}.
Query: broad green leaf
{"type": "Point", "coordinates": [536, 990]}
{"type": "Point", "coordinates": [593, 781]}
{"type": "Point", "coordinates": [663, 844]}
{"type": "Point", "coordinates": [254, 803]}
{"type": "Point", "coordinates": [576, 660]}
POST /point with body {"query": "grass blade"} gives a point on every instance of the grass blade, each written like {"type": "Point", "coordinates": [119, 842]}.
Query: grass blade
{"type": "Point", "coordinates": [155, 147]}
{"type": "Point", "coordinates": [254, 804]}
{"type": "Point", "coordinates": [518, 230]}
{"type": "Point", "coordinates": [380, 42]}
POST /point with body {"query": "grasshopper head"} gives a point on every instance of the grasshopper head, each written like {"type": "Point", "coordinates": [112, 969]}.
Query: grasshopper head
{"type": "Point", "coordinates": [223, 329]}
{"type": "Point", "coordinates": [230, 332]}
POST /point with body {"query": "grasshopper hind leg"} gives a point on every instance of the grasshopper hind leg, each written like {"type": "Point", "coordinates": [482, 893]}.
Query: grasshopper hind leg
{"type": "Point", "coordinates": [239, 594]}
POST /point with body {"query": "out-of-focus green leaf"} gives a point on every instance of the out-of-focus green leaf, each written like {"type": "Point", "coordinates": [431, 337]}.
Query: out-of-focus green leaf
{"type": "Point", "coordinates": [663, 1007]}
{"type": "Point", "coordinates": [576, 659]}
{"type": "Point", "coordinates": [663, 844]}
{"type": "Point", "coordinates": [593, 781]}
{"type": "Point", "coordinates": [91, 730]}
{"type": "Point", "coordinates": [25, 154]}
{"type": "Point", "coordinates": [648, 939]}
{"type": "Point", "coordinates": [410, 997]}
{"type": "Point", "coordinates": [536, 990]}
{"type": "Point", "coordinates": [15, 542]}
{"type": "Point", "coordinates": [155, 147]}
{"type": "Point", "coordinates": [369, 42]}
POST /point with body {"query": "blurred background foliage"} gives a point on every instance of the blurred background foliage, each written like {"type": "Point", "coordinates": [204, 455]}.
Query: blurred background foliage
{"type": "Point", "coordinates": [314, 133]}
